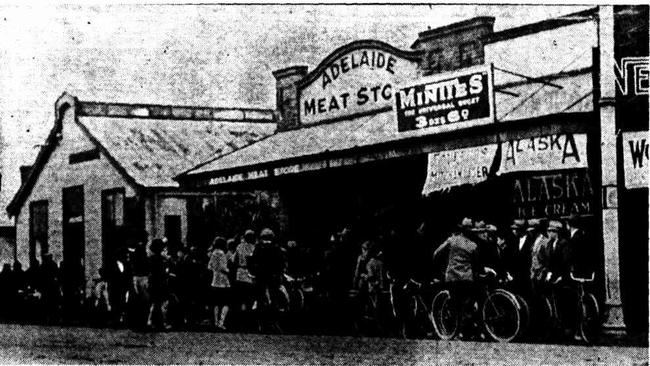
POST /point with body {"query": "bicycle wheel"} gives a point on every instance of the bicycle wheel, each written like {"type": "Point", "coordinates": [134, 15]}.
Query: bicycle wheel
{"type": "Point", "coordinates": [524, 314]}
{"type": "Point", "coordinates": [501, 315]}
{"type": "Point", "coordinates": [445, 317]}
{"type": "Point", "coordinates": [297, 300]}
{"type": "Point", "coordinates": [589, 318]}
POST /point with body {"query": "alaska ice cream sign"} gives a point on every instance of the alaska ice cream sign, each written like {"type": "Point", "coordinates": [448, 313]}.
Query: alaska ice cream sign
{"type": "Point", "coordinates": [354, 80]}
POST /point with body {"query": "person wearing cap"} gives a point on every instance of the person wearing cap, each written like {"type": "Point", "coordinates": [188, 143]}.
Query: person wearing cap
{"type": "Point", "coordinates": [243, 280]}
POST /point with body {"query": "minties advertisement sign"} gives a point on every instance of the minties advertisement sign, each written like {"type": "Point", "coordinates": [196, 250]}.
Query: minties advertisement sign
{"type": "Point", "coordinates": [447, 101]}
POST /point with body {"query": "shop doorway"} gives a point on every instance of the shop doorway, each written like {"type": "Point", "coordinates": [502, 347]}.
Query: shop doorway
{"type": "Point", "coordinates": [173, 229]}
{"type": "Point", "coordinates": [73, 247]}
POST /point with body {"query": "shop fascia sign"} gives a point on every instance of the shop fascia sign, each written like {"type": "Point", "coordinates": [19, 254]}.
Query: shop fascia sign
{"type": "Point", "coordinates": [355, 79]}
{"type": "Point", "coordinates": [447, 101]}
{"type": "Point", "coordinates": [239, 177]}
{"type": "Point", "coordinates": [636, 159]}
{"type": "Point", "coordinates": [265, 173]}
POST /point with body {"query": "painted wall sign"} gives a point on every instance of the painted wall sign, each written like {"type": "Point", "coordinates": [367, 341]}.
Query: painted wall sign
{"type": "Point", "coordinates": [550, 152]}
{"type": "Point", "coordinates": [636, 160]}
{"type": "Point", "coordinates": [457, 167]}
{"type": "Point", "coordinates": [557, 194]}
{"type": "Point", "coordinates": [355, 79]}
{"type": "Point", "coordinates": [447, 101]}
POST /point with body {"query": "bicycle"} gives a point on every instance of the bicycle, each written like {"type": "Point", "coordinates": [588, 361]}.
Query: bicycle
{"type": "Point", "coordinates": [498, 310]}
{"type": "Point", "coordinates": [586, 309]}
{"type": "Point", "coordinates": [414, 314]}
{"type": "Point", "coordinates": [370, 315]}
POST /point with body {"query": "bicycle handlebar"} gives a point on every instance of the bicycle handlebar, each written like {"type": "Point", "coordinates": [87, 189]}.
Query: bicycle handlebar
{"type": "Point", "coordinates": [582, 280]}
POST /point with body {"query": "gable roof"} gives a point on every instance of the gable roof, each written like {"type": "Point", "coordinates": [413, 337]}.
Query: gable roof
{"type": "Point", "coordinates": [148, 151]}
{"type": "Point", "coordinates": [153, 151]}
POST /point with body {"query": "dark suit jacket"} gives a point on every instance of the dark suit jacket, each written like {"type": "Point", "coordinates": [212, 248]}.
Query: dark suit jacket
{"type": "Point", "coordinates": [581, 261]}
{"type": "Point", "coordinates": [556, 257]}
{"type": "Point", "coordinates": [518, 261]}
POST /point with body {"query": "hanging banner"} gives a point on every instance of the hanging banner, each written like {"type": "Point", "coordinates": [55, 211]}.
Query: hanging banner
{"type": "Point", "coordinates": [457, 167]}
{"type": "Point", "coordinates": [635, 159]}
{"type": "Point", "coordinates": [550, 152]}
{"type": "Point", "coordinates": [446, 101]}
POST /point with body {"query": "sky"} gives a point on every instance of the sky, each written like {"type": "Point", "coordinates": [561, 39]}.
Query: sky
{"type": "Point", "coordinates": [209, 55]}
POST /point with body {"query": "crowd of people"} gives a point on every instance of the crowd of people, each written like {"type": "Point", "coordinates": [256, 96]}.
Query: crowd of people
{"type": "Point", "coordinates": [170, 285]}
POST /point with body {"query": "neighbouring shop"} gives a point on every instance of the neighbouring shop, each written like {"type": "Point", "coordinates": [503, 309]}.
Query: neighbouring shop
{"type": "Point", "coordinates": [103, 180]}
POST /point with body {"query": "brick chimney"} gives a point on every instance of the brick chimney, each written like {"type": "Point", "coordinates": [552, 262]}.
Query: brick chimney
{"type": "Point", "coordinates": [24, 173]}
{"type": "Point", "coordinates": [454, 46]}
{"type": "Point", "coordinates": [287, 95]}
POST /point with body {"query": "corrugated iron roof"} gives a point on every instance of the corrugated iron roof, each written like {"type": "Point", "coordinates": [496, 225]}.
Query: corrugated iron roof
{"type": "Point", "coordinates": [153, 151]}
{"type": "Point", "coordinates": [525, 101]}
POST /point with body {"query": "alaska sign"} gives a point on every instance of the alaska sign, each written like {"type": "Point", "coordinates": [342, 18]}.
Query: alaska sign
{"type": "Point", "coordinates": [355, 79]}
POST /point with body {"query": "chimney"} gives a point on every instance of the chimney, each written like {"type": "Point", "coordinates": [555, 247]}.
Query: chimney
{"type": "Point", "coordinates": [454, 46]}
{"type": "Point", "coordinates": [287, 95]}
{"type": "Point", "coordinates": [24, 173]}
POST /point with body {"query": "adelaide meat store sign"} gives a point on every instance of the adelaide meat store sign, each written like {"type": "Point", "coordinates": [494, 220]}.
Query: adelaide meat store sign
{"type": "Point", "coordinates": [354, 80]}
{"type": "Point", "coordinates": [447, 101]}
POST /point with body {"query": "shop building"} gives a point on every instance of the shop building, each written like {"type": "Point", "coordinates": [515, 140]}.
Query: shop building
{"type": "Point", "coordinates": [469, 122]}
{"type": "Point", "coordinates": [104, 176]}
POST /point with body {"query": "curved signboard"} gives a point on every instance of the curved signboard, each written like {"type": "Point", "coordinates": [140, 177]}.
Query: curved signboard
{"type": "Point", "coordinates": [355, 79]}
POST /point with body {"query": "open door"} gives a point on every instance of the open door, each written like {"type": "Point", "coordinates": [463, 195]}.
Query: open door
{"type": "Point", "coordinates": [73, 249]}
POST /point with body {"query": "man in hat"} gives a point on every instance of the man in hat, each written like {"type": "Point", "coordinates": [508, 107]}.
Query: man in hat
{"type": "Point", "coordinates": [555, 257]}
{"type": "Point", "coordinates": [487, 246]}
{"type": "Point", "coordinates": [267, 265]}
{"type": "Point", "coordinates": [463, 263]}
{"type": "Point", "coordinates": [517, 259]}
{"type": "Point", "coordinates": [580, 261]}
{"type": "Point", "coordinates": [537, 230]}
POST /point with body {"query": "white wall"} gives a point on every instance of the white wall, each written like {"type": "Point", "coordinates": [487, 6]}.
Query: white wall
{"type": "Point", "coordinates": [544, 53]}
{"type": "Point", "coordinates": [58, 173]}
